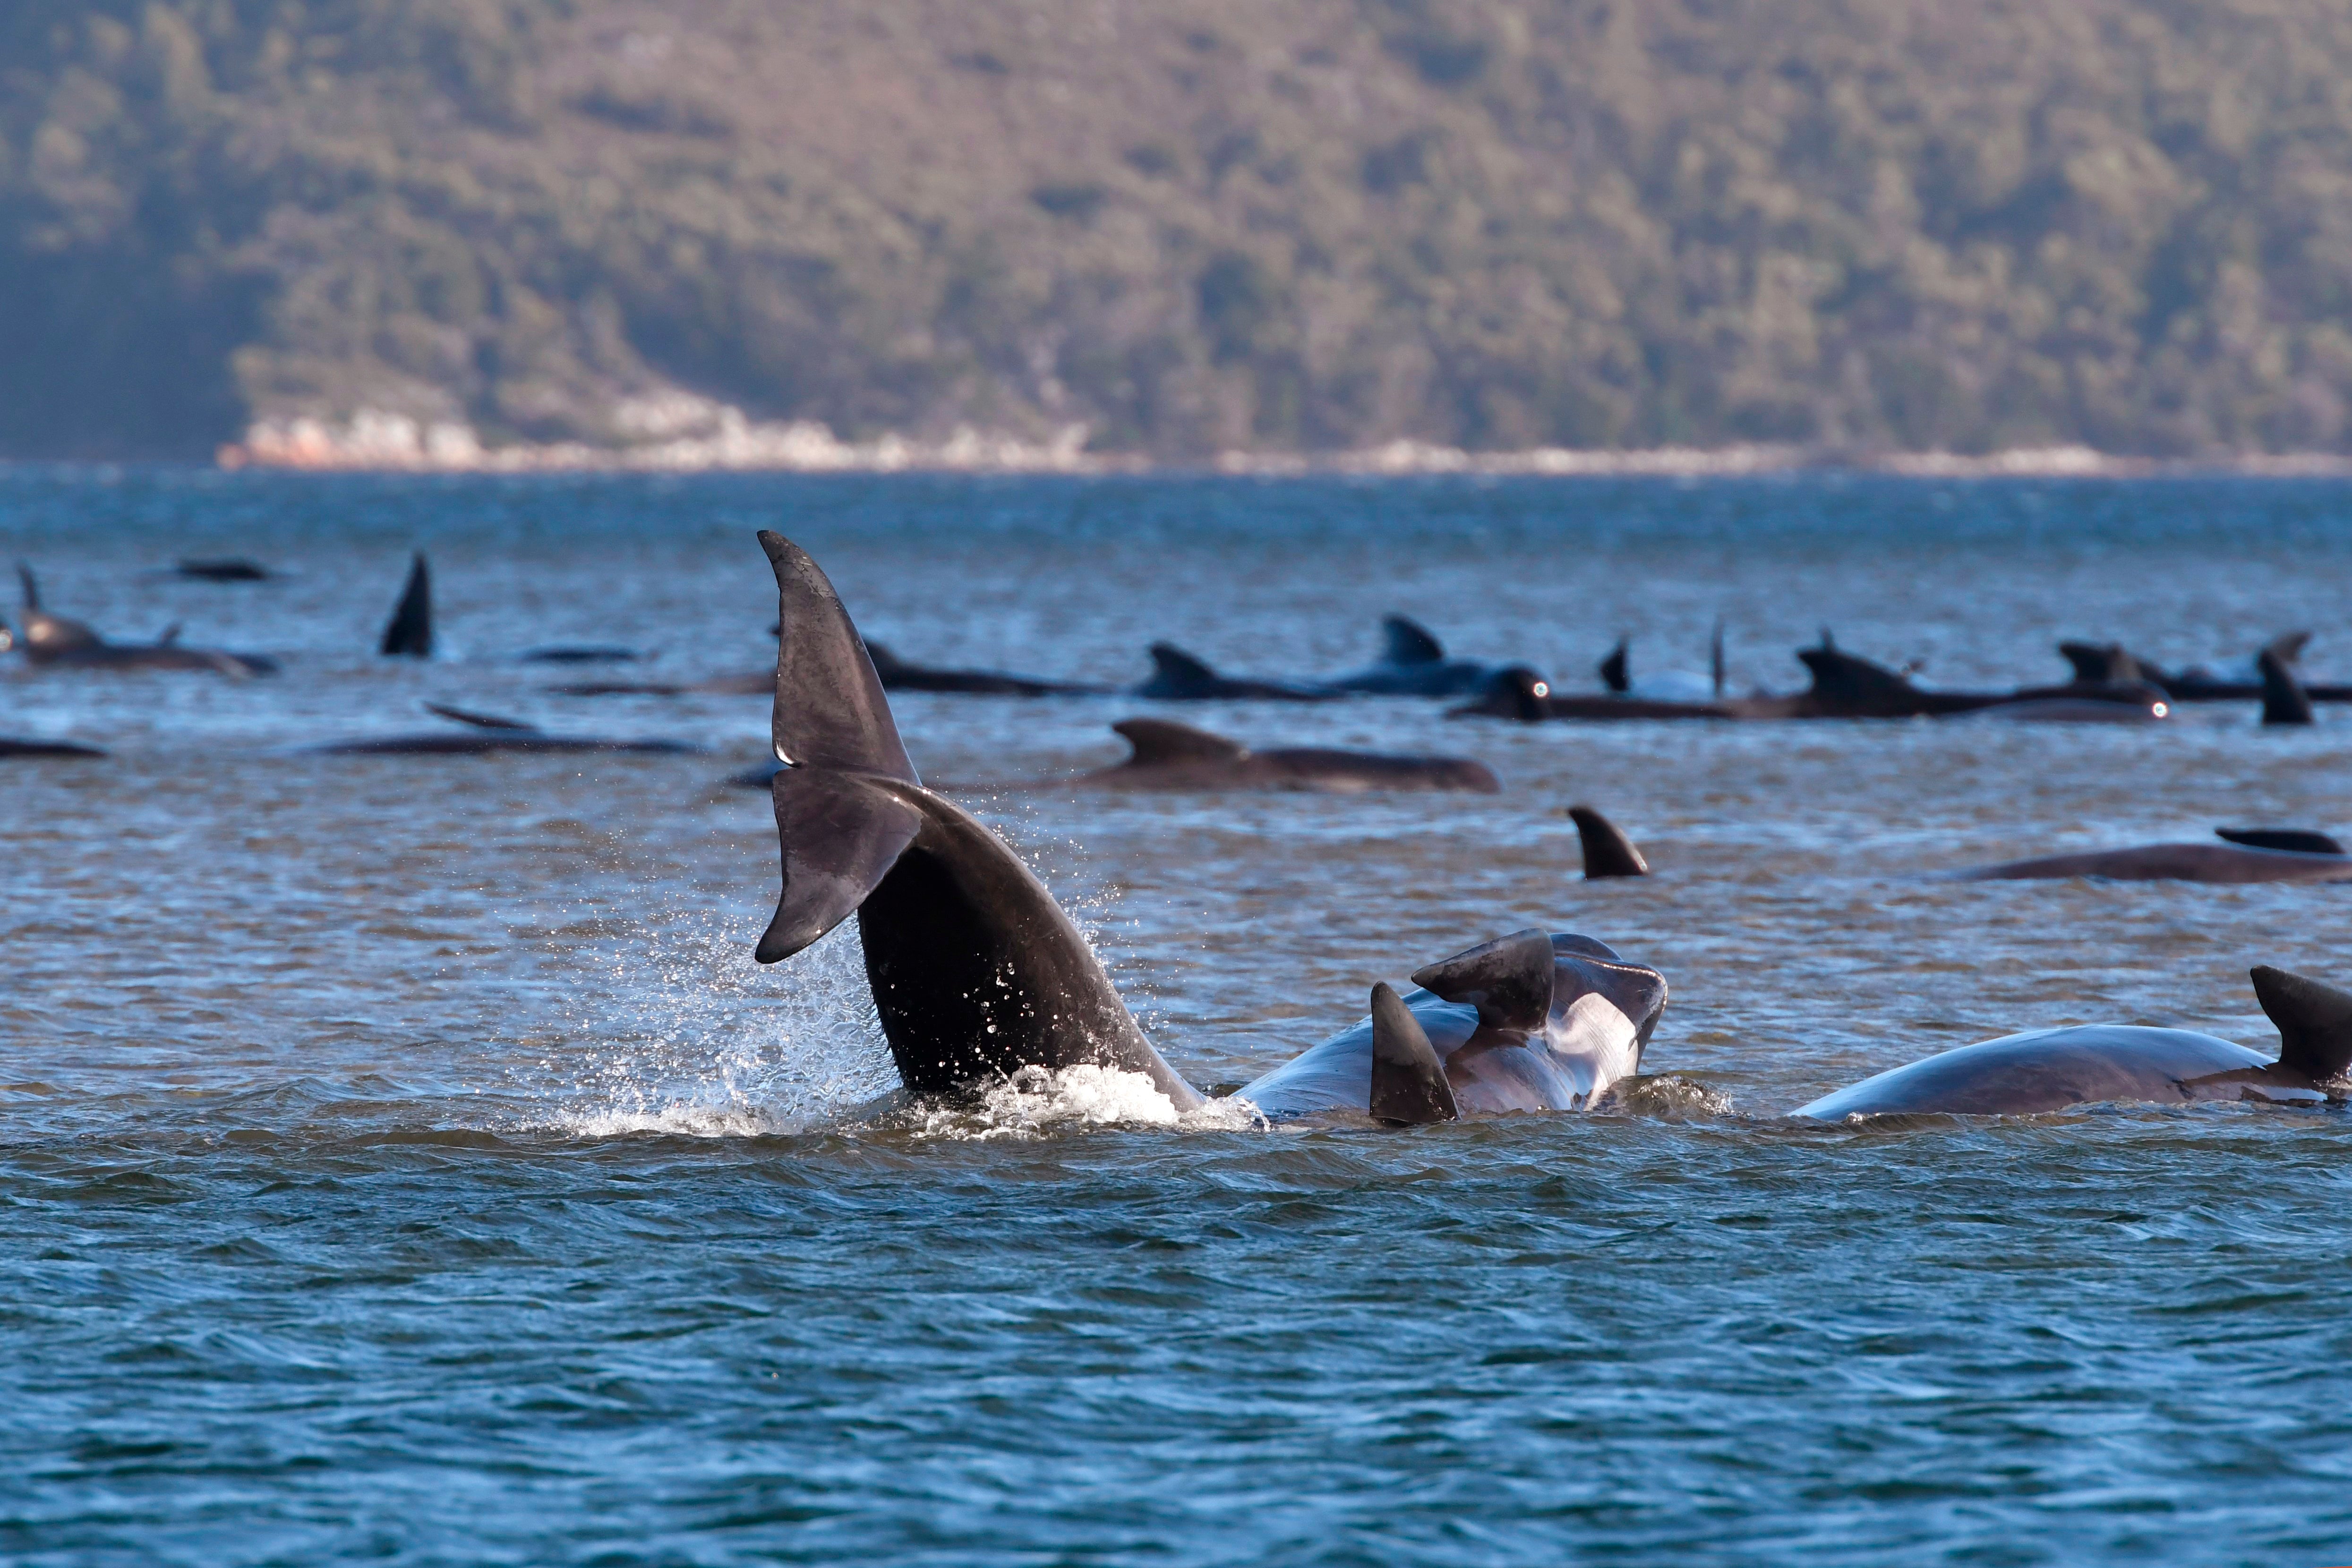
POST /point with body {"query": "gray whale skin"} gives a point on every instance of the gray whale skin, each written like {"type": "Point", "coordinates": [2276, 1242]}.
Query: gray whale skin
{"type": "Point", "coordinates": [2050, 1069]}
{"type": "Point", "coordinates": [978, 972]}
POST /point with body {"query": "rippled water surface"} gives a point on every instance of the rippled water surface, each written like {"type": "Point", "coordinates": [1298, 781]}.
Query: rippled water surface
{"type": "Point", "coordinates": [403, 1158]}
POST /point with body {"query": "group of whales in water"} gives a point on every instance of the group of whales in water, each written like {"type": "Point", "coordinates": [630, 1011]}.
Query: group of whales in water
{"type": "Point", "coordinates": [979, 976]}
{"type": "Point", "coordinates": [2108, 683]}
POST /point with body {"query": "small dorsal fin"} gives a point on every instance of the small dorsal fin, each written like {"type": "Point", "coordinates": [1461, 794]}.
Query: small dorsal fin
{"type": "Point", "coordinates": [1607, 850]}
{"type": "Point", "coordinates": [1175, 671]}
{"type": "Point", "coordinates": [1405, 642]}
{"type": "Point", "coordinates": [1409, 1086]}
{"type": "Point", "coordinates": [1614, 672]}
{"type": "Point", "coordinates": [2300, 841]}
{"type": "Point", "coordinates": [2100, 664]}
{"type": "Point", "coordinates": [885, 662]}
{"type": "Point", "coordinates": [409, 634]}
{"type": "Point", "coordinates": [32, 589]}
{"type": "Point", "coordinates": [481, 720]}
{"type": "Point", "coordinates": [1715, 667]}
{"type": "Point", "coordinates": [2315, 1022]}
{"type": "Point", "coordinates": [1157, 740]}
{"type": "Point", "coordinates": [171, 637]}
{"type": "Point", "coordinates": [1508, 980]}
{"type": "Point", "coordinates": [2283, 699]}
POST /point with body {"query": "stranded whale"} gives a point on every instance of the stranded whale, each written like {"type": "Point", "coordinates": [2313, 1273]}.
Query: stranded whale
{"type": "Point", "coordinates": [2246, 855]}
{"type": "Point", "coordinates": [1414, 663]}
{"type": "Point", "coordinates": [1178, 677]}
{"type": "Point", "coordinates": [55, 641]}
{"type": "Point", "coordinates": [978, 972]}
{"type": "Point", "coordinates": [2050, 1069]}
{"type": "Point", "coordinates": [1169, 756]}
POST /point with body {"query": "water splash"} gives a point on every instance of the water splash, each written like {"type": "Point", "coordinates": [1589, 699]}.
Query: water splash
{"type": "Point", "coordinates": [687, 1035]}
{"type": "Point", "coordinates": [1038, 1102]}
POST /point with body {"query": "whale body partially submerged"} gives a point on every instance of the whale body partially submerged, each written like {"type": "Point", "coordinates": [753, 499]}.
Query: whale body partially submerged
{"type": "Point", "coordinates": [54, 641]}
{"type": "Point", "coordinates": [977, 973]}
{"type": "Point", "coordinates": [2050, 1069]}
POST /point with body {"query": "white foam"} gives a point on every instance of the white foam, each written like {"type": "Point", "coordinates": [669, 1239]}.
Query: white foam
{"type": "Point", "coordinates": [1037, 1100]}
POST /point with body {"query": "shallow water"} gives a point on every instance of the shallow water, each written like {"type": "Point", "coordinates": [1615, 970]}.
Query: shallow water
{"type": "Point", "coordinates": [403, 1158]}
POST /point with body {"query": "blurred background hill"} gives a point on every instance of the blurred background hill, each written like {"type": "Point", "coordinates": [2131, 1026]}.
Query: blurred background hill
{"type": "Point", "coordinates": [1186, 226]}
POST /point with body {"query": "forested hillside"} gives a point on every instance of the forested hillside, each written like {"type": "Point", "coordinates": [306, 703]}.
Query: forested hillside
{"type": "Point", "coordinates": [1186, 226]}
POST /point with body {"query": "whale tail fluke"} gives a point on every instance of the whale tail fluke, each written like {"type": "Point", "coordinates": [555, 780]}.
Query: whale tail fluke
{"type": "Point", "coordinates": [1508, 980]}
{"type": "Point", "coordinates": [840, 816]}
{"type": "Point", "coordinates": [1409, 1086]}
{"type": "Point", "coordinates": [1607, 850]}
{"type": "Point", "coordinates": [1407, 642]}
{"type": "Point", "coordinates": [2315, 1023]}
{"type": "Point", "coordinates": [1157, 742]}
{"type": "Point", "coordinates": [2283, 699]}
{"type": "Point", "coordinates": [409, 634]}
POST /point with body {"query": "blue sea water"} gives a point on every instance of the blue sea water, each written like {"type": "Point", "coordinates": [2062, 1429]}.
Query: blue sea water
{"type": "Point", "coordinates": [402, 1158]}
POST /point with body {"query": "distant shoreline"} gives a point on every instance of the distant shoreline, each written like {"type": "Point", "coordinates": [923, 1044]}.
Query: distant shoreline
{"type": "Point", "coordinates": [379, 442]}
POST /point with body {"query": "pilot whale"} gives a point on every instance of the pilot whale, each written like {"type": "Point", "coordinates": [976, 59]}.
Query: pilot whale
{"type": "Point", "coordinates": [2050, 1069]}
{"type": "Point", "coordinates": [55, 641]}
{"type": "Point", "coordinates": [898, 676]}
{"type": "Point", "coordinates": [1177, 676]}
{"type": "Point", "coordinates": [1169, 756]}
{"type": "Point", "coordinates": [409, 634]}
{"type": "Point", "coordinates": [978, 972]}
{"type": "Point", "coordinates": [1412, 664]}
{"type": "Point", "coordinates": [486, 734]}
{"type": "Point", "coordinates": [2246, 855]}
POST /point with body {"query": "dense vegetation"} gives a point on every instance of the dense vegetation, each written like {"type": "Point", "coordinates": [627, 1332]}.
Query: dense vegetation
{"type": "Point", "coordinates": [1189, 224]}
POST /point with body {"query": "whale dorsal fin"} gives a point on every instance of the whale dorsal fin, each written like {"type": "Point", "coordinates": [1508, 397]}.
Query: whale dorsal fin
{"type": "Point", "coordinates": [1157, 740]}
{"type": "Point", "coordinates": [1508, 980]}
{"type": "Point", "coordinates": [2101, 663]}
{"type": "Point", "coordinates": [2283, 699]}
{"type": "Point", "coordinates": [481, 720]}
{"type": "Point", "coordinates": [830, 711]}
{"type": "Point", "coordinates": [1615, 671]}
{"type": "Point", "coordinates": [1405, 642]}
{"type": "Point", "coordinates": [1409, 1085]}
{"type": "Point", "coordinates": [1607, 850]}
{"type": "Point", "coordinates": [32, 589]}
{"type": "Point", "coordinates": [2301, 840]}
{"type": "Point", "coordinates": [2288, 646]}
{"type": "Point", "coordinates": [885, 662]}
{"type": "Point", "coordinates": [2315, 1022]}
{"type": "Point", "coordinates": [171, 637]}
{"type": "Point", "coordinates": [409, 634]}
{"type": "Point", "coordinates": [1176, 672]}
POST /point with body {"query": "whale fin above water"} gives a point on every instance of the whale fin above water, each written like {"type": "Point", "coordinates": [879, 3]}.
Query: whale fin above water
{"type": "Point", "coordinates": [830, 711]}
{"type": "Point", "coordinates": [1158, 740]}
{"type": "Point", "coordinates": [1607, 850]}
{"type": "Point", "coordinates": [2285, 702]}
{"type": "Point", "coordinates": [1409, 1084]}
{"type": "Point", "coordinates": [481, 720]}
{"type": "Point", "coordinates": [841, 833]}
{"type": "Point", "coordinates": [1616, 672]}
{"type": "Point", "coordinates": [2299, 841]}
{"type": "Point", "coordinates": [2315, 1022]}
{"type": "Point", "coordinates": [1508, 980]}
{"type": "Point", "coordinates": [1406, 642]}
{"type": "Point", "coordinates": [1177, 674]}
{"type": "Point", "coordinates": [409, 634]}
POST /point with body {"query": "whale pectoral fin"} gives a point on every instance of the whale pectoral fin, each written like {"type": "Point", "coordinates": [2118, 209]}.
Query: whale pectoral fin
{"type": "Point", "coordinates": [841, 834]}
{"type": "Point", "coordinates": [1508, 980]}
{"type": "Point", "coordinates": [1405, 642]}
{"type": "Point", "coordinates": [1409, 1086]}
{"type": "Point", "coordinates": [830, 711]}
{"type": "Point", "coordinates": [2315, 1023]}
{"type": "Point", "coordinates": [1156, 740]}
